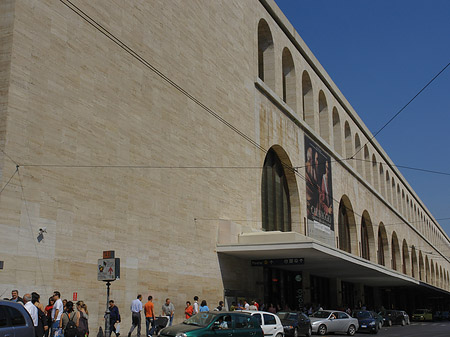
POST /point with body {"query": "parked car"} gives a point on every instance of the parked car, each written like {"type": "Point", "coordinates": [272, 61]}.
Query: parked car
{"type": "Point", "coordinates": [325, 321]}
{"type": "Point", "coordinates": [406, 317]}
{"type": "Point", "coordinates": [392, 317]}
{"type": "Point", "coordinates": [295, 323]}
{"type": "Point", "coordinates": [422, 315]}
{"type": "Point", "coordinates": [368, 320]}
{"type": "Point", "coordinates": [445, 316]}
{"type": "Point", "coordinates": [379, 319]}
{"type": "Point", "coordinates": [270, 323]}
{"type": "Point", "coordinates": [15, 321]}
{"type": "Point", "coordinates": [216, 323]}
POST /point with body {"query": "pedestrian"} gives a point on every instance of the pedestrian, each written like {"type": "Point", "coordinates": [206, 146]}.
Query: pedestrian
{"type": "Point", "coordinates": [31, 308]}
{"type": "Point", "coordinates": [246, 305]}
{"type": "Point", "coordinates": [168, 310]}
{"type": "Point", "coordinates": [136, 308]}
{"type": "Point", "coordinates": [149, 316]}
{"type": "Point", "coordinates": [189, 310]}
{"type": "Point", "coordinates": [67, 323]}
{"type": "Point", "coordinates": [114, 318]}
{"type": "Point", "coordinates": [253, 307]}
{"type": "Point", "coordinates": [219, 307]}
{"type": "Point", "coordinates": [57, 311]}
{"type": "Point", "coordinates": [82, 319]}
{"type": "Point", "coordinates": [64, 301]}
{"type": "Point", "coordinates": [233, 306]}
{"type": "Point", "coordinates": [195, 305]}
{"type": "Point", "coordinates": [48, 314]}
{"type": "Point", "coordinates": [42, 326]}
{"type": "Point", "coordinates": [204, 307]}
{"type": "Point", "coordinates": [15, 296]}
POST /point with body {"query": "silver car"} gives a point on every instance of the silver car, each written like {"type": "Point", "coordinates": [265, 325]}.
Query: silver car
{"type": "Point", "coordinates": [325, 321]}
{"type": "Point", "coordinates": [15, 321]}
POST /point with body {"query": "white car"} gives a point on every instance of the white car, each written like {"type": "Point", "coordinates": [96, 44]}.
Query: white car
{"type": "Point", "coordinates": [326, 321]}
{"type": "Point", "coordinates": [270, 323]}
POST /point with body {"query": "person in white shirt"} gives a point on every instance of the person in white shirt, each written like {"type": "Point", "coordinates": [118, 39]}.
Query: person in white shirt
{"type": "Point", "coordinates": [246, 305]}
{"type": "Point", "coordinates": [31, 308]}
{"type": "Point", "coordinates": [195, 305]}
{"type": "Point", "coordinates": [57, 311]}
{"type": "Point", "coordinates": [136, 308]}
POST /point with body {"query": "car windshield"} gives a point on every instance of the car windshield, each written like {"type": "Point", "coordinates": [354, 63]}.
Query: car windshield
{"type": "Point", "coordinates": [321, 314]}
{"type": "Point", "coordinates": [287, 315]}
{"type": "Point", "coordinates": [201, 319]}
{"type": "Point", "coordinates": [361, 314]}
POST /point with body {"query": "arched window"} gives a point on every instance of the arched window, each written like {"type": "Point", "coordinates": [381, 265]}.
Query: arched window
{"type": "Point", "coordinates": [382, 245]}
{"type": "Point", "coordinates": [289, 82]}
{"type": "Point", "coordinates": [367, 166]}
{"type": "Point", "coordinates": [276, 208]}
{"type": "Point", "coordinates": [427, 270]}
{"type": "Point", "coordinates": [308, 100]}
{"type": "Point", "coordinates": [382, 180]}
{"type": "Point", "coordinates": [405, 258]}
{"type": "Point", "coordinates": [375, 172]}
{"type": "Point", "coordinates": [399, 199]}
{"type": "Point", "coordinates": [358, 154]}
{"type": "Point", "coordinates": [367, 240]}
{"type": "Point", "coordinates": [266, 55]}
{"type": "Point", "coordinates": [395, 252]}
{"type": "Point", "coordinates": [347, 226]}
{"type": "Point", "coordinates": [324, 119]}
{"type": "Point", "coordinates": [388, 187]}
{"type": "Point", "coordinates": [337, 132]}
{"type": "Point", "coordinates": [414, 263]}
{"type": "Point", "coordinates": [394, 194]}
{"type": "Point", "coordinates": [421, 267]}
{"type": "Point", "coordinates": [348, 141]}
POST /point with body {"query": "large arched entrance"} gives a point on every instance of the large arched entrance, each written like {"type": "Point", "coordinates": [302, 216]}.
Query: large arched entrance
{"type": "Point", "coordinates": [414, 263]}
{"type": "Point", "coordinates": [279, 194]}
{"type": "Point", "coordinates": [347, 227]}
{"type": "Point", "coordinates": [383, 245]}
{"type": "Point", "coordinates": [395, 252]}
{"type": "Point", "coordinates": [421, 267]}
{"type": "Point", "coordinates": [367, 239]}
{"type": "Point", "coordinates": [405, 258]}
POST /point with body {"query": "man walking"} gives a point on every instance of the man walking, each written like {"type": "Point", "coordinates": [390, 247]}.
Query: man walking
{"type": "Point", "coordinates": [136, 308]}
{"type": "Point", "coordinates": [57, 311]}
{"type": "Point", "coordinates": [149, 316]}
{"type": "Point", "coordinates": [195, 305]}
{"type": "Point", "coordinates": [114, 317]}
{"type": "Point", "coordinates": [168, 310]}
{"type": "Point", "coordinates": [15, 296]}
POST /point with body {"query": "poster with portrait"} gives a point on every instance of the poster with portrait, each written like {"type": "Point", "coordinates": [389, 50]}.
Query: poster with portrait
{"type": "Point", "coordinates": [319, 192]}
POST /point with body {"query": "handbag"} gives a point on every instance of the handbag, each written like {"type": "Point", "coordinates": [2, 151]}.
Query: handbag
{"type": "Point", "coordinates": [118, 328]}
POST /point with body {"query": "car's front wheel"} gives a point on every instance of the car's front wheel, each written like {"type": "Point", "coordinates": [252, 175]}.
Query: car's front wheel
{"type": "Point", "coordinates": [322, 330]}
{"type": "Point", "coordinates": [309, 333]}
{"type": "Point", "coordinates": [351, 330]}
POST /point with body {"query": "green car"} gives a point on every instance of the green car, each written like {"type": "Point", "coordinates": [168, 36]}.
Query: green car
{"type": "Point", "coordinates": [216, 324]}
{"type": "Point", "coordinates": [422, 315]}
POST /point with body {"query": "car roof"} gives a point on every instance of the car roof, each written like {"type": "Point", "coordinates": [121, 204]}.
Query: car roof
{"type": "Point", "coordinates": [11, 304]}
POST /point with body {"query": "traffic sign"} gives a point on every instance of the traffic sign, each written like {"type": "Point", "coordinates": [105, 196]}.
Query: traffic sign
{"type": "Point", "coordinates": [108, 269]}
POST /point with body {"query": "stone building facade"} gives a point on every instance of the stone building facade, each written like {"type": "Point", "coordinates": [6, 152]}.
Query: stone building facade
{"type": "Point", "coordinates": [178, 134]}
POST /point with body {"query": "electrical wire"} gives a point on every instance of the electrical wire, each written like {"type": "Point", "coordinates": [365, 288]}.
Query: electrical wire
{"type": "Point", "coordinates": [16, 171]}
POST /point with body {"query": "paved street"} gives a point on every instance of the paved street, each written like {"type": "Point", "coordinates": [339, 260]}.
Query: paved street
{"type": "Point", "coordinates": [428, 329]}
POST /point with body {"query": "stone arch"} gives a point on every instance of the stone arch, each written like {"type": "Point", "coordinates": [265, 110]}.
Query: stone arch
{"type": "Point", "coordinates": [348, 240]}
{"type": "Point", "coordinates": [403, 204]}
{"type": "Point", "coordinates": [382, 181]}
{"type": "Point", "coordinates": [337, 132]}
{"type": "Point", "coordinates": [279, 192]}
{"type": "Point", "coordinates": [395, 252]}
{"type": "Point", "coordinates": [427, 270]}
{"type": "Point", "coordinates": [394, 194]}
{"type": "Point", "coordinates": [266, 54]}
{"type": "Point", "coordinates": [288, 80]}
{"type": "Point", "coordinates": [375, 172]}
{"type": "Point", "coordinates": [324, 117]}
{"type": "Point", "coordinates": [406, 265]}
{"type": "Point", "coordinates": [308, 100]}
{"type": "Point", "coordinates": [399, 199]}
{"type": "Point", "coordinates": [388, 187]}
{"type": "Point", "coordinates": [414, 263]}
{"type": "Point", "coordinates": [432, 274]}
{"type": "Point", "coordinates": [441, 279]}
{"type": "Point", "coordinates": [367, 237]}
{"type": "Point", "coordinates": [421, 267]}
{"type": "Point", "coordinates": [367, 166]}
{"type": "Point", "coordinates": [414, 219]}
{"type": "Point", "coordinates": [358, 156]}
{"type": "Point", "coordinates": [348, 141]}
{"type": "Point", "coordinates": [383, 245]}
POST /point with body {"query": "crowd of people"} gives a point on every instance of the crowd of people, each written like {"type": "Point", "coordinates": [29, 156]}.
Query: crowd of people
{"type": "Point", "coordinates": [58, 318]}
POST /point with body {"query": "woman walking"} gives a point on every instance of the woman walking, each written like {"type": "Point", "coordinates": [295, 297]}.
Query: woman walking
{"type": "Point", "coordinates": [204, 306]}
{"type": "Point", "coordinates": [82, 319]}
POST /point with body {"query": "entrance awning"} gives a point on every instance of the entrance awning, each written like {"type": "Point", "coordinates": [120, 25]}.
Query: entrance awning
{"type": "Point", "coordinates": [319, 259]}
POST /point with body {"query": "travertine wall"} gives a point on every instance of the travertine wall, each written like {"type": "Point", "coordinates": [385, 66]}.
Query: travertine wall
{"type": "Point", "coordinates": [113, 157]}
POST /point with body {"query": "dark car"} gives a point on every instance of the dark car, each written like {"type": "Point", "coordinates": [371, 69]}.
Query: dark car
{"type": "Point", "coordinates": [368, 320]}
{"type": "Point", "coordinates": [391, 317]}
{"type": "Point", "coordinates": [295, 323]}
{"type": "Point", "coordinates": [445, 315]}
{"type": "Point", "coordinates": [216, 324]}
{"type": "Point", "coordinates": [15, 321]}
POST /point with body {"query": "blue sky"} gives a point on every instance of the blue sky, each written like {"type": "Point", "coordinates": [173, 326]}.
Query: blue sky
{"type": "Point", "coordinates": [380, 54]}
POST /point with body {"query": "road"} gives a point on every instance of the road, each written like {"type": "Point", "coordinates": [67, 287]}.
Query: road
{"type": "Point", "coordinates": [416, 329]}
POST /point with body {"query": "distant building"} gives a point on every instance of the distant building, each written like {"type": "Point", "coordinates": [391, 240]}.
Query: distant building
{"type": "Point", "coordinates": [204, 143]}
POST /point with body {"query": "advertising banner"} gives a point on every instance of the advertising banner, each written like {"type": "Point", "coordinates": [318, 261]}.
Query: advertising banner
{"type": "Point", "coordinates": [319, 193]}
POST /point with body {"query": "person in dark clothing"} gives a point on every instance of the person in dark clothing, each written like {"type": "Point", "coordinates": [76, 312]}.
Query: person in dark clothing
{"type": "Point", "coordinates": [114, 317]}
{"type": "Point", "coordinates": [15, 296]}
{"type": "Point", "coordinates": [42, 319]}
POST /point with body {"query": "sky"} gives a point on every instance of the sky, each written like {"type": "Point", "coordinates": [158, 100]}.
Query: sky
{"type": "Point", "coordinates": [380, 54]}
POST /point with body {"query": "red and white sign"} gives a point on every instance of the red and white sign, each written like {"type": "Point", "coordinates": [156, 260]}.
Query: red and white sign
{"type": "Point", "coordinates": [75, 296]}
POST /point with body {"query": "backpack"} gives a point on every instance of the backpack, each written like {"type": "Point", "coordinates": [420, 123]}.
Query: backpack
{"type": "Point", "coordinates": [83, 327]}
{"type": "Point", "coordinates": [71, 328]}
